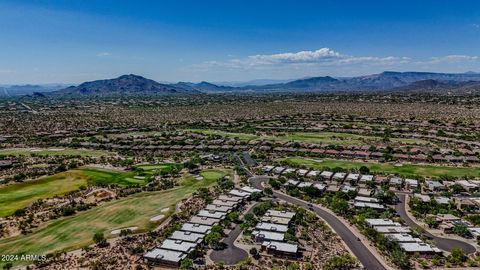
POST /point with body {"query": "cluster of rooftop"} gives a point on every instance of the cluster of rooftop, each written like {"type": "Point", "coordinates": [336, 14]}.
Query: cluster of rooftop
{"type": "Point", "coordinates": [271, 232]}
{"type": "Point", "coordinates": [192, 233]}
{"type": "Point", "coordinates": [401, 234]}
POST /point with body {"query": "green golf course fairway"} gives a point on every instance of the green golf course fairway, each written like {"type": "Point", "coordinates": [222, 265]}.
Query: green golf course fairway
{"type": "Point", "coordinates": [311, 137]}
{"type": "Point", "coordinates": [406, 170]}
{"type": "Point", "coordinates": [74, 232]}
{"type": "Point", "coordinates": [20, 195]}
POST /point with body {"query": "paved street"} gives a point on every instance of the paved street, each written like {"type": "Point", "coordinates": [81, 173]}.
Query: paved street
{"type": "Point", "coordinates": [359, 249]}
{"type": "Point", "coordinates": [231, 254]}
{"type": "Point", "coordinates": [442, 243]}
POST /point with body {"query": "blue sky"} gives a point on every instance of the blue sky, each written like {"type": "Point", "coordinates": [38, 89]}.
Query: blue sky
{"type": "Point", "coordinates": [74, 41]}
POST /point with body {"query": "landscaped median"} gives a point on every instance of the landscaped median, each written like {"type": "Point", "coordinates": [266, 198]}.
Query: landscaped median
{"type": "Point", "coordinates": [69, 233]}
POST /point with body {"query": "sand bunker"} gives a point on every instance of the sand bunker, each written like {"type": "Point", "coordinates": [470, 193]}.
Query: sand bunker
{"type": "Point", "coordinates": [157, 218]}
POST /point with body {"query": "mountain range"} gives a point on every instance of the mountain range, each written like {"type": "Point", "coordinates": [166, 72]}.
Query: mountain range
{"type": "Point", "coordinates": [388, 81]}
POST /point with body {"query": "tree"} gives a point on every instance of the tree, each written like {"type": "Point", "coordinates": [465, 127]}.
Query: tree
{"type": "Point", "coordinates": [364, 170]}
{"type": "Point", "coordinates": [268, 191]}
{"type": "Point", "coordinates": [186, 264]}
{"type": "Point", "coordinates": [431, 222]}
{"type": "Point", "coordinates": [340, 262]}
{"type": "Point", "coordinates": [254, 252]}
{"type": "Point", "coordinates": [213, 239]}
{"type": "Point", "coordinates": [339, 205]}
{"type": "Point", "coordinates": [274, 183]}
{"type": "Point", "coordinates": [233, 216]}
{"type": "Point", "coordinates": [99, 239]}
{"type": "Point", "coordinates": [461, 230]}
{"type": "Point", "coordinates": [255, 196]}
{"type": "Point", "coordinates": [457, 256]}
{"type": "Point", "coordinates": [400, 258]}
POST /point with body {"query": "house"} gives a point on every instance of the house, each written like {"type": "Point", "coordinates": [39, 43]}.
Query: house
{"type": "Point", "coordinates": [239, 193]}
{"type": "Point", "coordinates": [211, 214]}
{"type": "Point", "coordinates": [267, 168]}
{"type": "Point", "coordinates": [467, 204]}
{"type": "Point", "coordinates": [291, 183]}
{"type": "Point", "coordinates": [230, 198]}
{"type": "Point", "coordinates": [392, 229]}
{"type": "Point", "coordinates": [264, 226]}
{"type": "Point", "coordinates": [421, 248]}
{"type": "Point", "coordinates": [196, 228]}
{"type": "Point", "coordinates": [188, 236]}
{"type": "Point", "coordinates": [204, 221]}
{"type": "Point", "coordinates": [376, 222]}
{"type": "Point", "coordinates": [395, 182]}
{"type": "Point", "coordinates": [280, 249]}
{"type": "Point", "coordinates": [353, 178]}
{"type": "Point", "coordinates": [302, 172]}
{"type": "Point", "coordinates": [260, 236]}
{"type": "Point", "coordinates": [278, 170]}
{"type": "Point", "coordinates": [304, 184]}
{"type": "Point", "coordinates": [276, 220]}
{"type": "Point", "coordinates": [5, 164]}
{"type": "Point", "coordinates": [178, 245]}
{"type": "Point", "coordinates": [326, 175]}
{"type": "Point", "coordinates": [411, 183]}
{"type": "Point", "coordinates": [347, 188]}
{"type": "Point", "coordinates": [339, 176]}
{"type": "Point", "coordinates": [467, 185]}
{"type": "Point", "coordinates": [224, 203]}
{"type": "Point", "coordinates": [280, 214]}
{"type": "Point", "coordinates": [320, 186]}
{"type": "Point", "coordinates": [250, 189]}
{"type": "Point", "coordinates": [164, 257]}
{"type": "Point", "coordinates": [364, 192]}
{"type": "Point", "coordinates": [289, 170]}
{"type": "Point", "coordinates": [403, 238]}
{"type": "Point", "coordinates": [442, 200]}
{"type": "Point", "coordinates": [475, 232]}
{"type": "Point", "coordinates": [366, 178]}
{"type": "Point", "coordinates": [366, 199]}
{"type": "Point", "coordinates": [313, 174]}
{"type": "Point", "coordinates": [375, 206]}
{"type": "Point", "coordinates": [218, 208]}
{"type": "Point", "coordinates": [422, 197]}
{"type": "Point", "coordinates": [332, 188]}
{"type": "Point", "coordinates": [434, 186]}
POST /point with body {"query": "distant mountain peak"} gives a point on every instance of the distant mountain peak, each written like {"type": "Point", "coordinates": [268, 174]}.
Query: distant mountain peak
{"type": "Point", "coordinates": [129, 84]}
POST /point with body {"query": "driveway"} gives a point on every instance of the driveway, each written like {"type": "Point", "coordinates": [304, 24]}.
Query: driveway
{"type": "Point", "coordinates": [231, 254]}
{"type": "Point", "coordinates": [359, 249]}
{"type": "Point", "coordinates": [442, 243]}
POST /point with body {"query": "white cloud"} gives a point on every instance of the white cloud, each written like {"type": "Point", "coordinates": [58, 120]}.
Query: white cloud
{"type": "Point", "coordinates": [103, 54]}
{"type": "Point", "coordinates": [456, 58]}
{"type": "Point", "coordinates": [320, 57]}
{"type": "Point", "coordinates": [324, 61]}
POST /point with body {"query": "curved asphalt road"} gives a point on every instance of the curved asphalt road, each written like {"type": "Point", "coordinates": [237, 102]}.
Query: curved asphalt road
{"type": "Point", "coordinates": [231, 254]}
{"type": "Point", "coordinates": [368, 260]}
{"type": "Point", "coordinates": [442, 243]}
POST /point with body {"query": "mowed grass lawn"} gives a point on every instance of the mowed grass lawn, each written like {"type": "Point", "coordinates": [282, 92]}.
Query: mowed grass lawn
{"type": "Point", "coordinates": [53, 152]}
{"type": "Point", "coordinates": [161, 167]}
{"type": "Point", "coordinates": [312, 137]}
{"type": "Point", "coordinates": [20, 195]}
{"type": "Point", "coordinates": [406, 170]}
{"type": "Point", "coordinates": [74, 232]}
